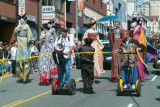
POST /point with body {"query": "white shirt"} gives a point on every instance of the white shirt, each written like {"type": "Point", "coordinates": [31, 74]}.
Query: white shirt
{"type": "Point", "coordinates": [13, 52]}
{"type": "Point", "coordinates": [34, 49]}
{"type": "Point", "coordinates": [67, 44]}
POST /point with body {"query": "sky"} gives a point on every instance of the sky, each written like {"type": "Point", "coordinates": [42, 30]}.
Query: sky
{"type": "Point", "coordinates": [140, 2]}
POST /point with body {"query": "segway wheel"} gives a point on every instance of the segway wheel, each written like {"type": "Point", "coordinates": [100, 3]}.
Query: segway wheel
{"type": "Point", "coordinates": [54, 85]}
{"type": "Point", "coordinates": [72, 87]}
{"type": "Point", "coordinates": [119, 87]}
{"type": "Point", "coordinates": [138, 89]}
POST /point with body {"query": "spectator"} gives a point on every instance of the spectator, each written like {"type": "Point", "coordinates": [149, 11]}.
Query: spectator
{"type": "Point", "coordinates": [34, 52]}
{"type": "Point", "coordinates": [4, 56]}
{"type": "Point", "coordinates": [13, 56]}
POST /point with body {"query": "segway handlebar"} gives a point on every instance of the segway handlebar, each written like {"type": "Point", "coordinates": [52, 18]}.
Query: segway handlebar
{"type": "Point", "coordinates": [128, 52]}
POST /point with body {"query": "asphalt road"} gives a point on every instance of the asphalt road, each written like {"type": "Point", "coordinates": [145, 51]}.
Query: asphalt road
{"type": "Point", "coordinates": [13, 93]}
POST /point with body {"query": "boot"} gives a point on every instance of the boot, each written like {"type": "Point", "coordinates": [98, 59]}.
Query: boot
{"type": "Point", "coordinates": [90, 91]}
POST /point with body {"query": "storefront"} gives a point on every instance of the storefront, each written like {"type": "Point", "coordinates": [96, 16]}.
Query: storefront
{"type": "Point", "coordinates": [31, 21]}
{"type": "Point", "coordinates": [7, 26]}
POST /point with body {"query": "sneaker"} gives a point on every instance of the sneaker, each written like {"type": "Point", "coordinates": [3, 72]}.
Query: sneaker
{"type": "Point", "coordinates": [125, 86]}
{"type": "Point", "coordinates": [133, 86]}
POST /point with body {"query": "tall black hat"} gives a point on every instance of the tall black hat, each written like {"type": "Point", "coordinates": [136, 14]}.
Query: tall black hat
{"type": "Point", "coordinates": [24, 16]}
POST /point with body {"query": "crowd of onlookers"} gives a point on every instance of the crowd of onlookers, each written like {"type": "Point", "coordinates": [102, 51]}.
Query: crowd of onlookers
{"type": "Point", "coordinates": [9, 52]}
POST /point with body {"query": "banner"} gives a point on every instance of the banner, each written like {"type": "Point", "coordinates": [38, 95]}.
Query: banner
{"type": "Point", "coordinates": [21, 7]}
{"type": "Point", "coordinates": [80, 6]}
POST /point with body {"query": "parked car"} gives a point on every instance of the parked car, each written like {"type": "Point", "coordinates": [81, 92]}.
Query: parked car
{"type": "Point", "coordinates": [107, 56]}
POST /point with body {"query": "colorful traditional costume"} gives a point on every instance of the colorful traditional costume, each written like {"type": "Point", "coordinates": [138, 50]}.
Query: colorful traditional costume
{"type": "Point", "coordinates": [46, 63]}
{"type": "Point", "coordinates": [98, 57]}
{"type": "Point", "coordinates": [115, 39]}
{"type": "Point", "coordinates": [138, 31]}
{"type": "Point", "coordinates": [24, 36]}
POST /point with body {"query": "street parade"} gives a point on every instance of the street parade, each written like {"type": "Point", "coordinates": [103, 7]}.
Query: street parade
{"type": "Point", "coordinates": [79, 53]}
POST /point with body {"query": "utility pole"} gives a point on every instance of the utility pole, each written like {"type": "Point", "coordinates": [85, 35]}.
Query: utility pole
{"type": "Point", "coordinates": [153, 26]}
{"type": "Point", "coordinates": [76, 18]}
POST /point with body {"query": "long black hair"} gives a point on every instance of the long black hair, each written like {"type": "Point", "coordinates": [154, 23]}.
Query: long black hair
{"type": "Point", "coordinates": [136, 19]}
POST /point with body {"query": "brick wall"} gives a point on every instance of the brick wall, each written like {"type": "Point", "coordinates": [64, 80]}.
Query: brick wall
{"type": "Point", "coordinates": [31, 8]}
{"type": "Point", "coordinates": [7, 10]}
{"type": "Point", "coordinates": [71, 17]}
{"type": "Point", "coordinates": [97, 5]}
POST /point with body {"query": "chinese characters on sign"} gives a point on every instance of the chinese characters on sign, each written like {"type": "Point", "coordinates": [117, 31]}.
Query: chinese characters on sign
{"type": "Point", "coordinates": [21, 7]}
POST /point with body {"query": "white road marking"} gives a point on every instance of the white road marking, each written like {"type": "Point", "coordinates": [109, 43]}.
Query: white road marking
{"type": "Point", "coordinates": [154, 78]}
{"type": "Point", "coordinates": [130, 105]}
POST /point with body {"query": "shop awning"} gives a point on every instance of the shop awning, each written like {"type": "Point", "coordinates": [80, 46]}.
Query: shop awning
{"type": "Point", "coordinates": [81, 29]}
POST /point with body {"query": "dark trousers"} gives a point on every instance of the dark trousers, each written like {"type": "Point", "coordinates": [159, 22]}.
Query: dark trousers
{"type": "Point", "coordinates": [14, 67]}
{"type": "Point", "coordinates": [33, 63]}
{"type": "Point", "coordinates": [87, 75]}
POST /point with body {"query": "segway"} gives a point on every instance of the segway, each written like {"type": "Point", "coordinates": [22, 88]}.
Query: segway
{"type": "Point", "coordinates": [120, 88]}
{"type": "Point", "coordinates": [59, 87]}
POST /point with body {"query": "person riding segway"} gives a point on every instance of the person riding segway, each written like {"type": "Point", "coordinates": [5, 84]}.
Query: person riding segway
{"type": "Point", "coordinates": [128, 50]}
{"type": "Point", "coordinates": [62, 57]}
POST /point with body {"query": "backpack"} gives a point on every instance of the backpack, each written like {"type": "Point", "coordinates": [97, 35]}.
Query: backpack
{"type": "Point", "coordinates": [67, 37]}
{"type": "Point", "coordinates": [58, 57]}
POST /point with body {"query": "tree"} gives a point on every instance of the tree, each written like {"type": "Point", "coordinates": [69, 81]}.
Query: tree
{"type": "Point", "coordinates": [157, 35]}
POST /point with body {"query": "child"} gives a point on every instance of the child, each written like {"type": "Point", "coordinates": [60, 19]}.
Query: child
{"type": "Point", "coordinates": [87, 66]}
{"type": "Point", "coordinates": [129, 45]}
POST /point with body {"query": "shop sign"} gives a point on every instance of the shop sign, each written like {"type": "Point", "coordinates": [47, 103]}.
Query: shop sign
{"type": "Point", "coordinates": [45, 21]}
{"type": "Point", "coordinates": [48, 15]}
{"type": "Point", "coordinates": [48, 9]}
{"type": "Point", "coordinates": [59, 21]}
{"type": "Point", "coordinates": [3, 18]}
{"type": "Point", "coordinates": [21, 7]}
{"type": "Point", "coordinates": [31, 18]}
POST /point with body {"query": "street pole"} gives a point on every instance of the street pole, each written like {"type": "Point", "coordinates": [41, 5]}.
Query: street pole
{"type": "Point", "coordinates": [76, 18]}
{"type": "Point", "coordinates": [153, 26]}
{"type": "Point", "coordinates": [65, 12]}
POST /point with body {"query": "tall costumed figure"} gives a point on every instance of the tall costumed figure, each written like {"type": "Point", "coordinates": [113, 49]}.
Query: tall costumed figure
{"type": "Point", "coordinates": [24, 38]}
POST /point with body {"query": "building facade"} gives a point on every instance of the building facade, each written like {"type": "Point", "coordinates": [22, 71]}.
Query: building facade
{"type": "Point", "coordinates": [9, 19]}
{"type": "Point", "coordinates": [153, 24]}
{"type": "Point", "coordinates": [94, 10]}
{"type": "Point", "coordinates": [145, 8]}
{"type": "Point", "coordinates": [123, 14]}
{"type": "Point", "coordinates": [55, 11]}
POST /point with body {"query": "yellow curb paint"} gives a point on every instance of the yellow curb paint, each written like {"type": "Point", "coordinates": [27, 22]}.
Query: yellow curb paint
{"type": "Point", "coordinates": [20, 102]}
{"type": "Point", "coordinates": [29, 99]}
{"type": "Point", "coordinates": [12, 103]}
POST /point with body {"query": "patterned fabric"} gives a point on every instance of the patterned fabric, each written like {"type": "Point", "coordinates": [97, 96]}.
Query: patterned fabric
{"type": "Point", "coordinates": [116, 57]}
{"type": "Point", "coordinates": [23, 50]}
{"type": "Point", "coordinates": [46, 63]}
{"type": "Point", "coordinates": [132, 57]}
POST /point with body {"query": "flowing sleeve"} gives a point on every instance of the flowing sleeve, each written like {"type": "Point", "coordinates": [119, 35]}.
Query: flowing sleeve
{"type": "Point", "coordinates": [85, 36]}
{"type": "Point", "coordinates": [142, 41]}
{"type": "Point", "coordinates": [50, 41]}
{"type": "Point", "coordinates": [16, 32]}
{"type": "Point", "coordinates": [29, 34]}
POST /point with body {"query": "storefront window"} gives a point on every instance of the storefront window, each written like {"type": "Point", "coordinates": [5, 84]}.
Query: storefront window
{"type": "Point", "coordinates": [59, 4]}
{"type": "Point", "coordinates": [10, 0]}
{"type": "Point", "coordinates": [44, 2]}
{"type": "Point", "coordinates": [50, 2]}
{"type": "Point", "coordinates": [68, 7]}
